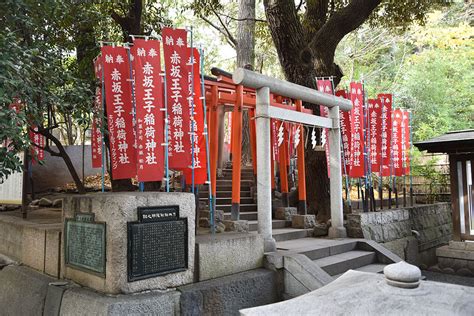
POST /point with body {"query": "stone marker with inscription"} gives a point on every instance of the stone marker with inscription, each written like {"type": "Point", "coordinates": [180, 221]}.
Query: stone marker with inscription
{"type": "Point", "coordinates": [166, 218]}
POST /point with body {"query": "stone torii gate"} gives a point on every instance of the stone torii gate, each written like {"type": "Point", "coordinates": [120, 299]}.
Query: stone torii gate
{"type": "Point", "coordinates": [263, 113]}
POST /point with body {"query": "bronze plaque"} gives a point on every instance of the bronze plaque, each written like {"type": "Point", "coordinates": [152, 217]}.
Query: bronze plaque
{"type": "Point", "coordinates": [84, 242]}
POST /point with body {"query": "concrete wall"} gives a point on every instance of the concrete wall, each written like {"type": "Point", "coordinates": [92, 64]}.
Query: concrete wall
{"type": "Point", "coordinates": [24, 291]}
{"type": "Point", "coordinates": [35, 245]}
{"type": "Point", "coordinates": [393, 229]}
{"type": "Point", "coordinates": [54, 173]}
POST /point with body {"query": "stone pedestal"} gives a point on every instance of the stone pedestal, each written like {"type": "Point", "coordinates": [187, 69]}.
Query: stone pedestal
{"type": "Point", "coordinates": [303, 221]}
{"type": "Point", "coordinates": [285, 213]}
{"type": "Point", "coordinates": [115, 210]}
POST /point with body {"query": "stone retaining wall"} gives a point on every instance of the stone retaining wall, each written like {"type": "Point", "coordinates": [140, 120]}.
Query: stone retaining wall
{"type": "Point", "coordinates": [393, 229]}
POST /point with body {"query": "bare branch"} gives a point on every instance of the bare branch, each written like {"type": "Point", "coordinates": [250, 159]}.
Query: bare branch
{"type": "Point", "coordinates": [245, 19]}
{"type": "Point", "coordinates": [229, 35]}
{"type": "Point", "coordinates": [232, 43]}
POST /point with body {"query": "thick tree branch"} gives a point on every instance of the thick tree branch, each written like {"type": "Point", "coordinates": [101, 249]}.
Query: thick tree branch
{"type": "Point", "coordinates": [315, 17]}
{"type": "Point", "coordinates": [342, 22]}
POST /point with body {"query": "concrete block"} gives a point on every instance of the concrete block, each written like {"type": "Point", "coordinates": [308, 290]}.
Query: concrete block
{"type": "Point", "coordinates": [52, 253]}
{"type": "Point", "coordinates": [227, 295]}
{"type": "Point", "coordinates": [33, 248]}
{"type": "Point", "coordinates": [285, 213]}
{"type": "Point", "coordinates": [240, 226]}
{"type": "Point", "coordinates": [54, 296]}
{"type": "Point", "coordinates": [116, 209]}
{"type": "Point", "coordinates": [303, 221]}
{"type": "Point", "coordinates": [81, 301]}
{"type": "Point", "coordinates": [22, 291]}
{"type": "Point", "coordinates": [228, 254]}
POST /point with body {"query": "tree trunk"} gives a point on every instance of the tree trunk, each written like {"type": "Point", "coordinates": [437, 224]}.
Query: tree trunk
{"type": "Point", "coordinates": [245, 58]}
{"type": "Point", "coordinates": [62, 153]}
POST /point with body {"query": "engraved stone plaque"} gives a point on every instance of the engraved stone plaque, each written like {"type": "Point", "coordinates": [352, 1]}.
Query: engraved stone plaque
{"type": "Point", "coordinates": [157, 248]}
{"type": "Point", "coordinates": [84, 242]}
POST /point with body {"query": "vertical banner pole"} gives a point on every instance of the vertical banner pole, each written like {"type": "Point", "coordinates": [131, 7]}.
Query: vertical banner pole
{"type": "Point", "coordinates": [141, 185]}
{"type": "Point", "coordinates": [410, 157]}
{"type": "Point", "coordinates": [102, 129]}
{"type": "Point", "coordinates": [390, 189]}
{"type": "Point", "coordinates": [208, 166]}
{"type": "Point", "coordinates": [194, 123]}
{"type": "Point", "coordinates": [166, 142]}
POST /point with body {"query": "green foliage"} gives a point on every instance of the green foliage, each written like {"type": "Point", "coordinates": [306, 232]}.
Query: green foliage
{"type": "Point", "coordinates": [428, 68]}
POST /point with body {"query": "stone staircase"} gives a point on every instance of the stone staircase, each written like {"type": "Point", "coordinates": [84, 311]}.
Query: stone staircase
{"type": "Point", "coordinates": [310, 263]}
{"type": "Point", "coordinates": [248, 206]}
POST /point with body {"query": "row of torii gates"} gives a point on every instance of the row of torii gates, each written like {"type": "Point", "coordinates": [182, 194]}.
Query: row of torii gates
{"type": "Point", "coordinates": [268, 98]}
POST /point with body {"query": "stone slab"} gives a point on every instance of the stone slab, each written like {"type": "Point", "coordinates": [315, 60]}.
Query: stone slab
{"type": "Point", "coordinates": [226, 295]}
{"type": "Point", "coordinates": [116, 209]}
{"type": "Point", "coordinates": [81, 301]}
{"type": "Point", "coordinates": [22, 291]}
{"type": "Point", "coordinates": [359, 290]}
{"type": "Point", "coordinates": [447, 251]}
{"type": "Point", "coordinates": [228, 253]}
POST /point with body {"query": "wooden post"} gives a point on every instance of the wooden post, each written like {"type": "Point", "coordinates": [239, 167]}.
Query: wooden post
{"type": "Point", "coordinates": [213, 140]}
{"type": "Point", "coordinates": [283, 153]}
{"type": "Point", "coordinates": [237, 153]}
{"type": "Point", "coordinates": [301, 169]}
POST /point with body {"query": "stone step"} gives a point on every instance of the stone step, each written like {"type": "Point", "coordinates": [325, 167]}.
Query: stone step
{"type": "Point", "coordinates": [228, 200]}
{"type": "Point", "coordinates": [244, 176]}
{"type": "Point", "coordinates": [247, 216]}
{"type": "Point", "coordinates": [342, 262]}
{"type": "Point", "coordinates": [228, 187]}
{"type": "Point", "coordinates": [276, 223]}
{"type": "Point", "coordinates": [330, 249]}
{"type": "Point", "coordinates": [243, 207]}
{"type": "Point", "coordinates": [242, 171]}
{"type": "Point", "coordinates": [229, 182]}
{"type": "Point", "coordinates": [223, 194]}
{"type": "Point", "coordinates": [372, 268]}
{"type": "Point", "coordinates": [281, 234]}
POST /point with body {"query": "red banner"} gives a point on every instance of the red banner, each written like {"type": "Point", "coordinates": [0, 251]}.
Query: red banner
{"type": "Point", "coordinates": [406, 139]}
{"type": "Point", "coordinates": [345, 123]}
{"type": "Point", "coordinates": [119, 112]}
{"type": "Point", "coordinates": [39, 140]}
{"type": "Point", "coordinates": [274, 133]}
{"type": "Point", "coordinates": [96, 140]}
{"type": "Point", "coordinates": [176, 55]}
{"type": "Point", "coordinates": [357, 129]}
{"type": "Point", "coordinates": [149, 116]}
{"type": "Point", "coordinates": [326, 87]}
{"type": "Point", "coordinates": [397, 145]}
{"type": "Point", "coordinates": [197, 125]}
{"type": "Point", "coordinates": [386, 139]}
{"type": "Point", "coordinates": [375, 126]}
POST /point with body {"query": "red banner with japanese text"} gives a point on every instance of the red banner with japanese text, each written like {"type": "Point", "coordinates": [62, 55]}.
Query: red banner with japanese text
{"type": "Point", "coordinates": [375, 126]}
{"type": "Point", "coordinates": [96, 139]}
{"type": "Point", "coordinates": [397, 142]}
{"type": "Point", "coordinates": [149, 114]}
{"type": "Point", "coordinates": [386, 136]}
{"type": "Point", "coordinates": [326, 87]}
{"type": "Point", "coordinates": [37, 144]}
{"type": "Point", "coordinates": [274, 133]}
{"type": "Point", "coordinates": [176, 56]}
{"type": "Point", "coordinates": [357, 129]}
{"type": "Point", "coordinates": [406, 138]}
{"type": "Point", "coordinates": [346, 135]}
{"type": "Point", "coordinates": [119, 112]}
{"type": "Point", "coordinates": [197, 124]}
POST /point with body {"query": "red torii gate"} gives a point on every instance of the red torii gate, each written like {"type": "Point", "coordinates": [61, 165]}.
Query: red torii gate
{"type": "Point", "coordinates": [222, 92]}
